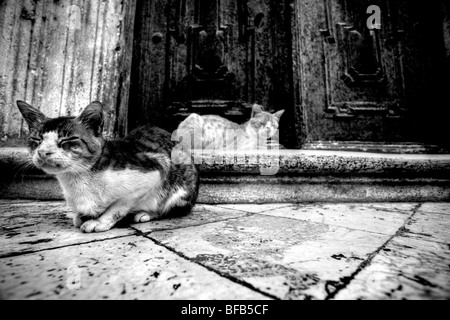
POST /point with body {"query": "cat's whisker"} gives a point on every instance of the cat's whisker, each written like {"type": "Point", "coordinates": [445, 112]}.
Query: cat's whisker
{"type": "Point", "coordinates": [22, 169]}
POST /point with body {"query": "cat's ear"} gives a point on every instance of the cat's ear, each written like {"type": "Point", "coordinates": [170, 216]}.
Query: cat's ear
{"type": "Point", "coordinates": [92, 117]}
{"type": "Point", "coordinates": [256, 109]}
{"type": "Point", "coordinates": [32, 116]}
{"type": "Point", "coordinates": [278, 114]}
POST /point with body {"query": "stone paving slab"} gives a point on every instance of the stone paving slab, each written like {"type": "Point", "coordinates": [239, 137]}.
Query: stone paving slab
{"type": "Point", "coordinates": [32, 226]}
{"type": "Point", "coordinates": [413, 265]}
{"type": "Point", "coordinates": [407, 268]}
{"type": "Point", "coordinates": [442, 208]}
{"type": "Point", "coordinates": [279, 251]}
{"type": "Point", "coordinates": [29, 226]}
{"type": "Point", "coordinates": [429, 227]}
{"type": "Point", "coordinates": [364, 217]}
{"type": "Point", "coordinates": [128, 268]}
{"type": "Point", "coordinates": [286, 258]}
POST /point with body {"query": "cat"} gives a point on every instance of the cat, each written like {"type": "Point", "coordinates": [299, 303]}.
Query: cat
{"type": "Point", "coordinates": [212, 132]}
{"type": "Point", "coordinates": [104, 181]}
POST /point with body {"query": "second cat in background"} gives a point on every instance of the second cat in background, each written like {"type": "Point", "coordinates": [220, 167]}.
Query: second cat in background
{"type": "Point", "coordinates": [212, 132]}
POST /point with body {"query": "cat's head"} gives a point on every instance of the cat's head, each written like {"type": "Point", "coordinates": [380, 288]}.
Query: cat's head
{"type": "Point", "coordinates": [263, 122]}
{"type": "Point", "coordinates": [64, 144]}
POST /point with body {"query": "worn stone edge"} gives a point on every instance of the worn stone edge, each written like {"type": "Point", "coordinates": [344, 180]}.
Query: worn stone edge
{"type": "Point", "coordinates": [286, 162]}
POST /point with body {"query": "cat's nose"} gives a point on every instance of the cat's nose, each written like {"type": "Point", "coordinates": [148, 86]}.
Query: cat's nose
{"type": "Point", "coordinates": [45, 153]}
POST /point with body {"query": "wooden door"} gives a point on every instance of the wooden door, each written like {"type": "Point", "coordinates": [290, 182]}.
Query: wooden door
{"type": "Point", "coordinates": [358, 81]}
{"type": "Point", "coordinates": [338, 78]}
{"type": "Point", "coordinates": [209, 57]}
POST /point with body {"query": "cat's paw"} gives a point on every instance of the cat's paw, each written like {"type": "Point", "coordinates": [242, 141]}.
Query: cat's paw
{"type": "Point", "coordinates": [91, 226]}
{"type": "Point", "coordinates": [142, 217]}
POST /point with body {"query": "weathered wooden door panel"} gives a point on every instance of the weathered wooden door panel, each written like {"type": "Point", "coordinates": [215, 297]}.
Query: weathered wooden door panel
{"type": "Point", "coordinates": [367, 84]}
{"type": "Point", "coordinates": [338, 79]}
{"type": "Point", "coordinates": [210, 56]}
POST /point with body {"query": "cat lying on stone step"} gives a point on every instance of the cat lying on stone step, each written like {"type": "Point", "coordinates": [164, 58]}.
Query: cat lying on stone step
{"type": "Point", "coordinates": [212, 132]}
{"type": "Point", "coordinates": [104, 181]}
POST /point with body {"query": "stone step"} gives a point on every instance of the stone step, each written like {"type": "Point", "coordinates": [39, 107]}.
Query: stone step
{"type": "Point", "coordinates": [277, 176]}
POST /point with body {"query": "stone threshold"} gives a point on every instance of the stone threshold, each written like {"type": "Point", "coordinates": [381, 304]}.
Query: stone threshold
{"type": "Point", "coordinates": [277, 176]}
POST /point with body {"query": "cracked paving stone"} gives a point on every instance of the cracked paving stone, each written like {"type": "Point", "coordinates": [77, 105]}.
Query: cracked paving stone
{"type": "Point", "coordinates": [33, 226]}
{"type": "Point", "coordinates": [407, 268]}
{"type": "Point", "coordinates": [289, 251]}
{"type": "Point", "coordinates": [128, 268]}
{"type": "Point", "coordinates": [429, 226]}
{"type": "Point", "coordinates": [39, 225]}
{"type": "Point", "coordinates": [286, 258]}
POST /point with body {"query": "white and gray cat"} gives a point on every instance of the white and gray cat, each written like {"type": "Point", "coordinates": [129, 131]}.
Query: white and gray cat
{"type": "Point", "coordinates": [104, 181]}
{"type": "Point", "coordinates": [212, 132]}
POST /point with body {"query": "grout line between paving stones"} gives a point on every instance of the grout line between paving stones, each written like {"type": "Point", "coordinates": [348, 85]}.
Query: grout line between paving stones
{"type": "Point", "coordinates": [221, 274]}
{"type": "Point", "coordinates": [136, 232]}
{"type": "Point", "coordinates": [15, 254]}
{"type": "Point", "coordinates": [345, 281]}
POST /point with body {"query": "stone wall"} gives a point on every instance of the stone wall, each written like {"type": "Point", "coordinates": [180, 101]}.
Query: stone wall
{"type": "Point", "coordinates": [60, 55]}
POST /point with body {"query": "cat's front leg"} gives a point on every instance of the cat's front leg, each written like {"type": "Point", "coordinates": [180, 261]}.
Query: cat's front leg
{"type": "Point", "coordinates": [77, 220]}
{"type": "Point", "coordinates": [108, 219]}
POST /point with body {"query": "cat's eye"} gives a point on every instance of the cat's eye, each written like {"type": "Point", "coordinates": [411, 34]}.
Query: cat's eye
{"type": "Point", "coordinates": [71, 142]}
